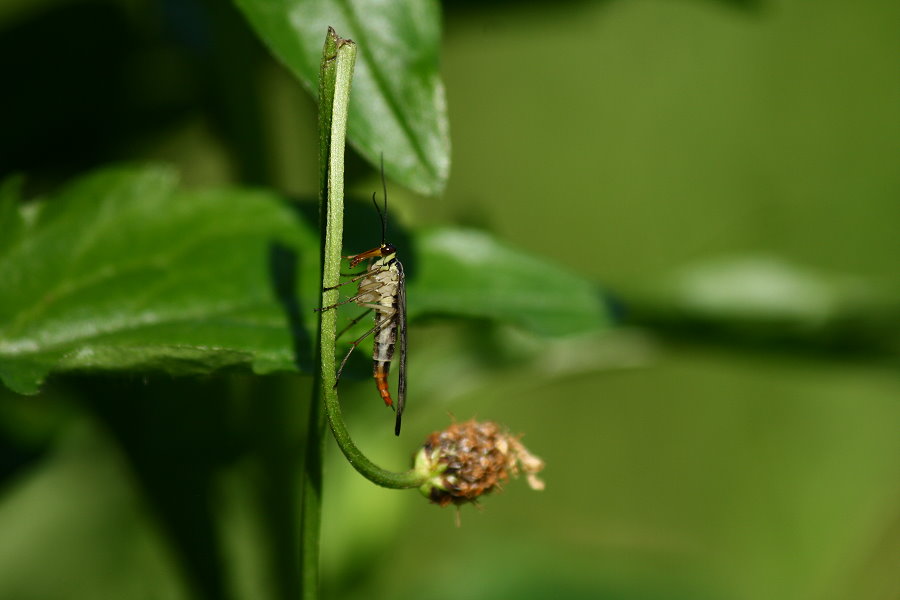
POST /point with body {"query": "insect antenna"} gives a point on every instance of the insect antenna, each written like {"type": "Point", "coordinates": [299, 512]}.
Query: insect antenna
{"type": "Point", "coordinates": [382, 214]}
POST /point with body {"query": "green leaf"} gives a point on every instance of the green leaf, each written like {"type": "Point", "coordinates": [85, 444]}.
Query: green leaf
{"type": "Point", "coordinates": [398, 107]}
{"type": "Point", "coordinates": [121, 271]}
{"type": "Point", "coordinates": [469, 273]}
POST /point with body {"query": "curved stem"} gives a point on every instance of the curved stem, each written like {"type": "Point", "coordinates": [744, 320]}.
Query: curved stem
{"type": "Point", "coordinates": [335, 89]}
{"type": "Point", "coordinates": [368, 469]}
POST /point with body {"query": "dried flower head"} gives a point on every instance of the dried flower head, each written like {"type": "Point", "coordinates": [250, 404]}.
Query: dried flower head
{"type": "Point", "coordinates": [468, 460]}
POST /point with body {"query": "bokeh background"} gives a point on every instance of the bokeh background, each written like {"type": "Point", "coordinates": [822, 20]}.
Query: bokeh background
{"type": "Point", "coordinates": [726, 170]}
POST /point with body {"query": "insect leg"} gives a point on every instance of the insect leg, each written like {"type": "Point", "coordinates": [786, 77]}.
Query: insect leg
{"type": "Point", "coordinates": [335, 305]}
{"type": "Point", "coordinates": [355, 277]}
{"type": "Point", "coordinates": [352, 323]}
{"type": "Point", "coordinates": [352, 348]}
{"type": "Point", "coordinates": [341, 303]}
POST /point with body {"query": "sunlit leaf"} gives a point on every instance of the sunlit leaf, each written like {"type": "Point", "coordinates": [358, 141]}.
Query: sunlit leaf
{"type": "Point", "coordinates": [121, 271]}
{"type": "Point", "coordinates": [397, 107]}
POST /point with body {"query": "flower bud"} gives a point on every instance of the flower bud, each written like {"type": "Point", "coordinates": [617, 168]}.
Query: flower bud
{"type": "Point", "coordinates": [468, 460]}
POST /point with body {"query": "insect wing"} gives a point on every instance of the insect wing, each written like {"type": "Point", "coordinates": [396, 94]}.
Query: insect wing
{"type": "Point", "coordinates": [401, 334]}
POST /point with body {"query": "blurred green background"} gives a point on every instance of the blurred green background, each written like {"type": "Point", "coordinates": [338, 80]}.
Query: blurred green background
{"type": "Point", "coordinates": [707, 161]}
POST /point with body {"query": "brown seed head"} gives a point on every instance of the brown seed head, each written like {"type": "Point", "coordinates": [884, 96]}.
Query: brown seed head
{"type": "Point", "coordinates": [468, 460]}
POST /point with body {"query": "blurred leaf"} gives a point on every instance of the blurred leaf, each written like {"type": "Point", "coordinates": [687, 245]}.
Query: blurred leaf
{"type": "Point", "coordinates": [767, 300]}
{"type": "Point", "coordinates": [120, 271]}
{"type": "Point", "coordinates": [756, 287]}
{"type": "Point", "coordinates": [469, 273]}
{"type": "Point", "coordinates": [77, 514]}
{"type": "Point", "coordinates": [397, 107]}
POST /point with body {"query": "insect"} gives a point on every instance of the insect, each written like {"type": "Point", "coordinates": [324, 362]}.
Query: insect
{"type": "Point", "coordinates": [382, 288]}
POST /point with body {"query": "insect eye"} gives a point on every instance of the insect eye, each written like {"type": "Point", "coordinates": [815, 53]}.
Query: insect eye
{"type": "Point", "coordinates": [388, 249]}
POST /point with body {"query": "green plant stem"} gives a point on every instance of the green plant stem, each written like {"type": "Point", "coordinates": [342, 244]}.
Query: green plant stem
{"type": "Point", "coordinates": [311, 503]}
{"type": "Point", "coordinates": [338, 58]}
{"type": "Point", "coordinates": [338, 68]}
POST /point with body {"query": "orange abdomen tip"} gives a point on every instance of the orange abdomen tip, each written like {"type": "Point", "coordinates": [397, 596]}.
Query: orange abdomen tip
{"type": "Point", "coordinates": [382, 384]}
